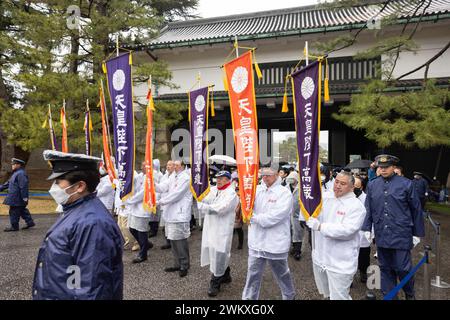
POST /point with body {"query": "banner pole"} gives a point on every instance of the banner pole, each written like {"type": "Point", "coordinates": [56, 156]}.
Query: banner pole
{"type": "Point", "coordinates": [306, 52]}
{"type": "Point", "coordinates": [117, 45]}
{"type": "Point", "coordinates": [236, 46]}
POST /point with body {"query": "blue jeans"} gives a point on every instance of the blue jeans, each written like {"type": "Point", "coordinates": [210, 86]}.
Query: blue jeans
{"type": "Point", "coordinates": [15, 213]}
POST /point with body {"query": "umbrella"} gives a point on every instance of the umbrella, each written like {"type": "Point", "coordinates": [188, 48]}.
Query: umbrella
{"type": "Point", "coordinates": [222, 159]}
{"type": "Point", "coordinates": [359, 164]}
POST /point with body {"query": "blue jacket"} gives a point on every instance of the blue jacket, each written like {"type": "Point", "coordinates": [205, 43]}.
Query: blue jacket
{"type": "Point", "coordinates": [17, 187]}
{"type": "Point", "coordinates": [393, 208]}
{"type": "Point", "coordinates": [421, 186]}
{"type": "Point", "coordinates": [84, 237]}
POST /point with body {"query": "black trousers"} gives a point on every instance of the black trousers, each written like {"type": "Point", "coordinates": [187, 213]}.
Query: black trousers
{"type": "Point", "coordinates": [180, 250]}
{"type": "Point", "coordinates": [142, 239]}
{"type": "Point", "coordinates": [15, 213]}
{"type": "Point", "coordinates": [363, 259]}
{"type": "Point", "coordinates": [240, 233]}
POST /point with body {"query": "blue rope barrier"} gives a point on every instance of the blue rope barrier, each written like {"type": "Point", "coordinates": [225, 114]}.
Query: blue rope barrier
{"type": "Point", "coordinates": [394, 291]}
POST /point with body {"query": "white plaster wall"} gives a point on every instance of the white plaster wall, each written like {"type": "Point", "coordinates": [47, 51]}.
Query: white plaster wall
{"type": "Point", "coordinates": [186, 63]}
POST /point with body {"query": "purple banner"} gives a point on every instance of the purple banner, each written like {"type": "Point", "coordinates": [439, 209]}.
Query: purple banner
{"type": "Point", "coordinates": [120, 91]}
{"type": "Point", "coordinates": [306, 93]}
{"type": "Point", "coordinates": [198, 124]}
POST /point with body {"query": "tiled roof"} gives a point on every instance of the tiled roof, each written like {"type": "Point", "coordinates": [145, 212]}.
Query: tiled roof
{"type": "Point", "coordinates": [290, 21]}
{"type": "Point", "coordinates": [338, 88]}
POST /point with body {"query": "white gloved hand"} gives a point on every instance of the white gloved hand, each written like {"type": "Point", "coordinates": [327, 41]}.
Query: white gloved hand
{"type": "Point", "coordinates": [253, 219]}
{"type": "Point", "coordinates": [313, 223]}
{"type": "Point", "coordinates": [416, 241]}
{"type": "Point", "coordinates": [368, 235]}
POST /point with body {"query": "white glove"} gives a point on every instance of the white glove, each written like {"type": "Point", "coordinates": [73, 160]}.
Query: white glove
{"type": "Point", "coordinates": [253, 219]}
{"type": "Point", "coordinates": [313, 223]}
{"type": "Point", "coordinates": [368, 235]}
{"type": "Point", "coordinates": [416, 241]}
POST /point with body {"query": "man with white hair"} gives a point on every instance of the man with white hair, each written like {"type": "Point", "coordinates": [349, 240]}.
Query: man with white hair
{"type": "Point", "coordinates": [177, 202]}
{"type": "Point", "coordinates": [269, 236]}
{"type": "Point", "coordinates": [336, 239]}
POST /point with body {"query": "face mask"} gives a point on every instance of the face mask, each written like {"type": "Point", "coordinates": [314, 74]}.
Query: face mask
{"type": "Point", "coordinates": [59, 194]}
{"type": "Point", "coordinates": [102, 171]}
{"type": "Point", "coordinates": [357, 191]}
{"type": "Point", "coordinates": [323, 178]}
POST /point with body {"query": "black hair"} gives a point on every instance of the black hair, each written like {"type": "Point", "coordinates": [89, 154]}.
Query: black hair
{"type": "Point", "coordinates": [90, 177]}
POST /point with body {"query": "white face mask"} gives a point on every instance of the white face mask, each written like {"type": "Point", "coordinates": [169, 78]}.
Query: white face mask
{"type": "Point", "coordinates": [102, 171]}
{"type": "Point", "coordinates": [323, 178]}
{"type": "Point", "coordinates": [59, 194]}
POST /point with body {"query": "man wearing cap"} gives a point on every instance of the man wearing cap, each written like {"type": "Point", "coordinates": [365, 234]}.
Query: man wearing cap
{"type": "Point", "coordinates": [269, 236]}
{"type": "Point", "coordinates": [421, 187]}
{"type": "Point", "coordinates": [218, 207]}
{"type": "Point", "coordinates": [81, 256]}
{"type": "Point", "coordinates": [393, 208]}
{"type": "Point", "coordinates": [17, 198]}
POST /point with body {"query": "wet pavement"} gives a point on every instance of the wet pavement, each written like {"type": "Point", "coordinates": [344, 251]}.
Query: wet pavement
{"type": "Point", "coordinates": [18, 251]}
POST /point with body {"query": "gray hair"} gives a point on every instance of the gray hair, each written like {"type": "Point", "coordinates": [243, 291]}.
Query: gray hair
{"type": "Point", "coordinates": [349, 175]}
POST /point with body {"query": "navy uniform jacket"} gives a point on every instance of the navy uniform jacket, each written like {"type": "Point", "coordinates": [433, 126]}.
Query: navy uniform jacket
{"type": "Point", "coordinates": [421, 187]}
{"type": "Point", "coordinates": [17, 187]}
{"type": "Point", "coordinates": [85, 236]}
{"type": "Point", "coordinates": [393, 208]}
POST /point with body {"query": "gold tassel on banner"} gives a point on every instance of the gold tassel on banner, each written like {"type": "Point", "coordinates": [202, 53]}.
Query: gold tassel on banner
{"type": "Point", "coordinates": [326, 89]}
{"type": "Point", "coordinates": [285, 107]}
{"type": "Point", "coordinates": [213, 113]}
{"type": "Point", "coordinates": [130, 59]}
{"type": "Point", "coordinates": [104, 67]}
{"type": "Point", "coordinates": [225, 83]}
{"type": "Point", "coordinates": [44, 125]}
{"type": "Point", "coordinates": [257, 69]}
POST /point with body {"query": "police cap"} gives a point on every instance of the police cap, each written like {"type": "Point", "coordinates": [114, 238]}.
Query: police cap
{"type": "Point", "coordinates": [386, 160]}
{"type": "Point", "coordinates": [63, 163]}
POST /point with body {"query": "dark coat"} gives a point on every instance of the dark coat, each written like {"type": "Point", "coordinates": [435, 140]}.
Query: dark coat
{"type": "Point", "coordinates": [17, 187]}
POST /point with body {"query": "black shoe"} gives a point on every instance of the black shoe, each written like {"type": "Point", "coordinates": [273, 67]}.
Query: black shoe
{"type": "Point", "coordinates": [297, 256]}
{"type": "Point", "coordinates": [166, 246]}
{"type": "Point", "coordinates": [214, 286]}
{"type": "Point", "coordinates": [172, 269]}
{"type": "Point", "coordinates": [183, 273]}
{"type": "Point", "coordinates": [10, 229]}
{"type": "Point", "coordinates": [139, 260]}
{"type": "Point", "coordinates": [28, 226]}
{"type": "Point", "coordinates": [226, 278]}
{"type": "Point", "coordinates": [410, 297]}
{"type": "Point", "coordinates": [150, 245]}
{"type": "Point", "coordinates": [152, 234]}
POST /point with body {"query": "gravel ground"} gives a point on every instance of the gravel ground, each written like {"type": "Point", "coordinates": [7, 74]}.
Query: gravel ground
{"type": "Point", "coordinates": [147, 280]}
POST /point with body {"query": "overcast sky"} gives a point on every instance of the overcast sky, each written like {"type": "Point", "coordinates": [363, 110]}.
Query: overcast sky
{"type": "Point", "coordinates": [215, 8]}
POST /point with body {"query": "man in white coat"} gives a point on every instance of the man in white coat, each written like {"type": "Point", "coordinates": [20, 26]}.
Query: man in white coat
{"type": "Point", "coordinates": [105, 190]}
{"type": "Point", "coordinates": [269, 236]}
{"type": "Point", "coordinates": [336, 239]}
{"type": "Point", "coordinates": [177, 202]}
{"type": "Point", "coordinates": [168, 175]}
{"type": "Point", "coordinates": [218, 208]}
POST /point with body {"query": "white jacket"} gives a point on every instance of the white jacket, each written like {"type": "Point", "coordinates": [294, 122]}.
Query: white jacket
{"type": "Point", "coordinates": [136, 202]}
{"type": "Point", "coordinates": [270, 226]}
{"type": "Point", "coordinates": [336, 245]}
{"type": "Point", "coordinates": [363, 241]}
{"type": "Point", "coordinates": [177, 198]}
{"type": "Point", "coordinates": [218, 208]}
{"type": "Point", "coordinates": [105, 192]}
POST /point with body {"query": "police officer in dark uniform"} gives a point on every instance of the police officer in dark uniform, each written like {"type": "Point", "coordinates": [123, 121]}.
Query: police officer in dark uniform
{"type": "Point", "coordinates": [17, 198]}
{"type": "Point", "coordinates": [421, 187]}
{"type": "Point", "coordinates": [393, 208]}
{"type": "Point", "coordinates": [81, 256]}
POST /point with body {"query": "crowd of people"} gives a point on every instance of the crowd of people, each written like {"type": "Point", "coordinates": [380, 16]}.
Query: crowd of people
{"type": "Point", "coordinates": [358, 210]}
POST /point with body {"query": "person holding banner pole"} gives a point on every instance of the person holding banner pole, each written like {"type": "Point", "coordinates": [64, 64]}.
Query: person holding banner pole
{"type": "Point", "coordinates": [168, 175]}
{"type": "Point", "coordinates": [269, 236]}
{"type": "Point", "coordinates": [155, 218]}
{"type": "Point", "coordinates": [177, 204]}
{"type": "Point", "coordinates": [336, 239]}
